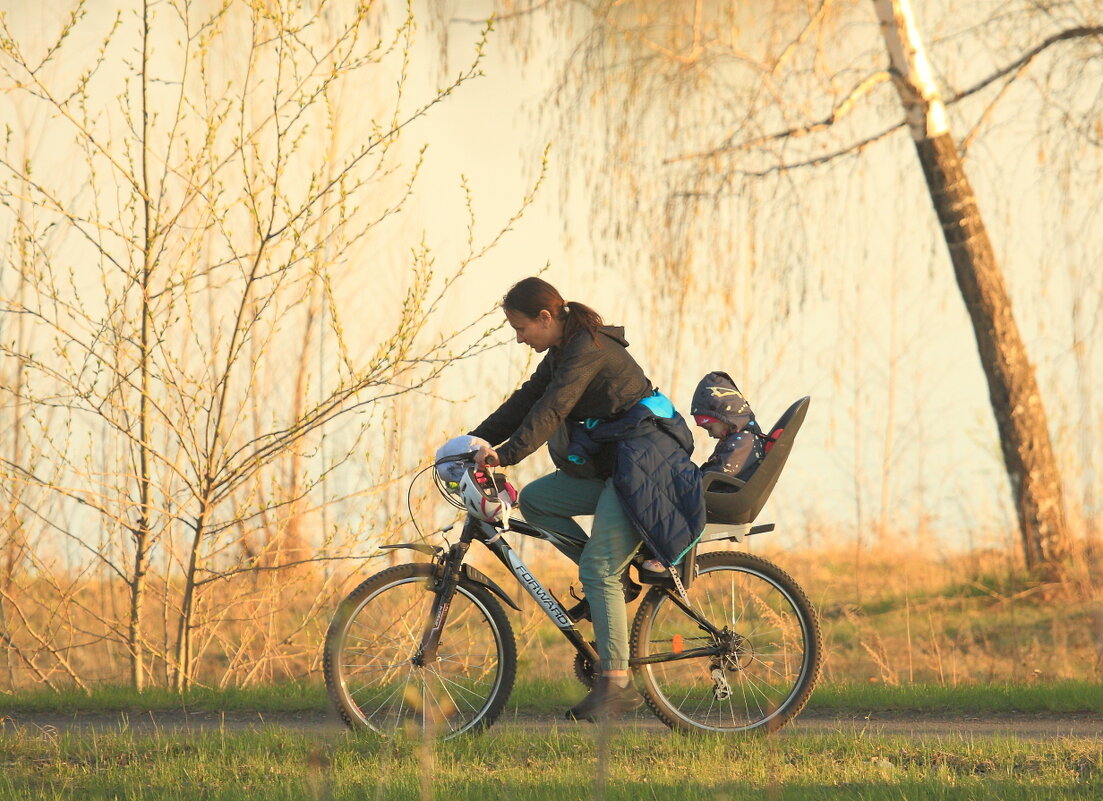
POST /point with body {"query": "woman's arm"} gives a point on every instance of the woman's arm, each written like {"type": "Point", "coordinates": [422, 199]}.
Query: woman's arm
{"type": "Point", "coordinates": [580, 364]}
{"type": "Point", "coordinates": [501, 424]}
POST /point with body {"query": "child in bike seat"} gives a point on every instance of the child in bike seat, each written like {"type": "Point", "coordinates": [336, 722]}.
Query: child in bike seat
{"type": "Point", "coordinates": [720, 408]}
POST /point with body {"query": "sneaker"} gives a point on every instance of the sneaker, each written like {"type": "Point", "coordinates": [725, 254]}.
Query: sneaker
{"type": "Point", "coordinates": [606, 700]}
{"type": "Point", "coordinates": [652, 573]}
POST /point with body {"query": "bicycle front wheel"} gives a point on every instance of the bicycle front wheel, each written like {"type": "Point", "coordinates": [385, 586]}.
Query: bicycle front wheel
{"type": "Point", "coordinates": [744, 656]}
{"type": "Point", "coordinates": [369, 667]}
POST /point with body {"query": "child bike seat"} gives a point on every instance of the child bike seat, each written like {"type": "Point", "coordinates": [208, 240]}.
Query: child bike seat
{"type": "Point", "coordinates": [729, 500]}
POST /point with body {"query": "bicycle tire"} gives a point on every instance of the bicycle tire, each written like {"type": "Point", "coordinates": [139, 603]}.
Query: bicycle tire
{"type": "Point", "coordinates": [771, 640]}
{"type": "Point", "coordinates": [368, 666]}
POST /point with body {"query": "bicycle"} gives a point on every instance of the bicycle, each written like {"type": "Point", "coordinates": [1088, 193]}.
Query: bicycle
{"type": "Point", "coordinates": [736, 648]}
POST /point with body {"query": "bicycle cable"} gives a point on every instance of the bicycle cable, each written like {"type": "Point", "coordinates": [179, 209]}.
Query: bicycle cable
{"type": "Point", "coordinates": [410, 502]}
{"type": "Point", "coordinates": [444, 490]}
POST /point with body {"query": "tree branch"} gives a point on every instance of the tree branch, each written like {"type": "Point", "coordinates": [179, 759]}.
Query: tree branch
{"type": "Point", "coordinates": [1029, 56]}
{"type": "Point", "coordinates": [839, 111]}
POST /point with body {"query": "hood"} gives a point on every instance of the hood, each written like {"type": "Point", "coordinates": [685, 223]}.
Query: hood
{"type": "Point", "coordinates": [615, 333]}
{"type": "Point", "coordinates": [718, 396]}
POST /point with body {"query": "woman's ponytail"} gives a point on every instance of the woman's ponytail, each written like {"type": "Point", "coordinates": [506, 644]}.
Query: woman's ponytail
{"type": "Point", "coordinates": [580, 317]}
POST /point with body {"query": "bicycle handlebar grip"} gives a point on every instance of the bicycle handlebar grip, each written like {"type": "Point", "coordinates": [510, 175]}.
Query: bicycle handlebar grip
{"type": "Point", "coordinates": [457, 457]}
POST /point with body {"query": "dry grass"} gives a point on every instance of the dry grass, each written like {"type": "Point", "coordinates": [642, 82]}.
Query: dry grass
{"type": "Point", "coordinates": [896, 616]}
{"type": "Point", "coordinates": [904, 616]}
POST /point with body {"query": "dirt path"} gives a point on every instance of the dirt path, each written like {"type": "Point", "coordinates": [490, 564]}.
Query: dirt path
{"type": "Point", "coordinates": [1027, 726]}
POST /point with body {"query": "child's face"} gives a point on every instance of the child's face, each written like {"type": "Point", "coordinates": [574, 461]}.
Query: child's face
{"type": "Point", "coordinates": [717, 429]}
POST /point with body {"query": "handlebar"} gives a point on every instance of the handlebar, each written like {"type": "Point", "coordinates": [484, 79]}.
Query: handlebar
{"type": "Point", "coordinates": [469, 456]}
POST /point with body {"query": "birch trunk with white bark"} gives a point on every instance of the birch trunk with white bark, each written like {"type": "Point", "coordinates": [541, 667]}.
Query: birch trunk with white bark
{"type": "Point", "coordinates": [1012, 386]}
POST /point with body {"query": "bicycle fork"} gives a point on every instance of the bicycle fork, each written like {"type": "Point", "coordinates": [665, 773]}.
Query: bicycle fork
{"type": "Point", "coordinates": [446, 579]}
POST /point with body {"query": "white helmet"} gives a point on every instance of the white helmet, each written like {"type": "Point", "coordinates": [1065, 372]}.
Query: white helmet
{"type": "Point", "coordinates": [487, 497]}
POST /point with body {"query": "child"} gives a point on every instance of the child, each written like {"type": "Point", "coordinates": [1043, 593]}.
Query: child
{"type": "Point", "coordinates": [720, 408]}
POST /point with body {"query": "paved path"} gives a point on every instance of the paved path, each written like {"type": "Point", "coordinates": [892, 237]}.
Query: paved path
{"type": "Point", "coordinates": [1028, 726]}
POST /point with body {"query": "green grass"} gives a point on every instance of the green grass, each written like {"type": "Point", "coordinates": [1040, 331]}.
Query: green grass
{"type": "Point", "coordinates": [1057, 697]}
{"type": "Point", "coordinates": [560, 765]}
{"type": "Point", "coordinates": [552, 696]}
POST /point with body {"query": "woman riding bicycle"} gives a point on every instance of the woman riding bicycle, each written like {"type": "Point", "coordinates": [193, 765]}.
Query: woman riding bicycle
{"type": "Point", "coordinates": [628, 463]}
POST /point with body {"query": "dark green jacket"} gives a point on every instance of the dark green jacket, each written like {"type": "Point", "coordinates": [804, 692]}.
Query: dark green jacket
{"type": "Point", "coordinates": [575, 381]}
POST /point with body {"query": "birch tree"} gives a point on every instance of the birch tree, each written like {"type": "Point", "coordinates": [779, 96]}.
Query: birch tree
{"type": "Point", "coordinates": [1017, 400]}
{"type": "Point", "coordinates": [707, 104]}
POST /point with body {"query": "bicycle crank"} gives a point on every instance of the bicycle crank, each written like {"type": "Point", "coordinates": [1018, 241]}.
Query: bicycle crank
{"type": "Point", "coordinates": [585, 670]}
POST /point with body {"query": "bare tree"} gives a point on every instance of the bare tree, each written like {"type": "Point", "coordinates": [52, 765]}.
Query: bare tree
{"type": "Point", "coordinates": [1013, 388]}
{"type": "Point", "coordinates": [232, 186]}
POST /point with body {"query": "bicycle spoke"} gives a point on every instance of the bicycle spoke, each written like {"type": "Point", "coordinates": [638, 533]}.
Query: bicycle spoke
{"type": "Point", "coordinates": [376, 640]}
{"type": "Point", "coordinates": [375, 667]}
{"type": "Point", "coordinates": [426, 696]}
{"type": "Point", "coordinates": [379, 685]}
{"type": "Point", "coordinates": [762, 641]}
{"type": "Point", "coordinates": [748, 683]}
{"type": "Point", "coordinates": [445, 682]}
{"type": "Point", "coordinates": [769, 667]}
{"type": "Point", "coordinates": [386, 699]}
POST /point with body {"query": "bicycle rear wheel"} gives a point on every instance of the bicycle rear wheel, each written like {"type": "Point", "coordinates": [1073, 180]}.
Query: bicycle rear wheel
{"type": "Point", "coordinates": [758, 662]}
{"type": "Point", "coordinates": [369, 651]}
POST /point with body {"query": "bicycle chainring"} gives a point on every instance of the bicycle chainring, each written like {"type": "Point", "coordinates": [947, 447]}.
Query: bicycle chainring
{"type": "Point", "coordinates": [585, 670]}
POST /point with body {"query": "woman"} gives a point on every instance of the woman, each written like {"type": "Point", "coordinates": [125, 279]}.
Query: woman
{"type": "Point", "coordinates": [586, 375]}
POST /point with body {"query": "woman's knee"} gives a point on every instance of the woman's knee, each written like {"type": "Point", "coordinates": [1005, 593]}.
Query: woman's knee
{"type": "Point", "coordinates": [557, 495]}
{"type": "Point", "coordinates": [598, 572]}
{"type": "Point", "coordinates": [529, 499]}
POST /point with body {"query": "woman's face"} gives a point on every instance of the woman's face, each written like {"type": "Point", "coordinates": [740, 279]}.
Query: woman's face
{"type": "Point", "coordinates": [539, 333]}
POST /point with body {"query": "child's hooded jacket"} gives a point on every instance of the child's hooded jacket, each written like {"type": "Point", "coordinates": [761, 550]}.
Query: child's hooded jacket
{"type": "Point", "coordinates": [739, 453]}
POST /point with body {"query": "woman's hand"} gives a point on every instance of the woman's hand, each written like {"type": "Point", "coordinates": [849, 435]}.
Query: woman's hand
{"type": "Point", "coordinates": [486, 457]}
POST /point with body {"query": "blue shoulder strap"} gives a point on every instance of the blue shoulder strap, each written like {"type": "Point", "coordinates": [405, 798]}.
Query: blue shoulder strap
{"type": "Point", "coordinates": [659, 404]}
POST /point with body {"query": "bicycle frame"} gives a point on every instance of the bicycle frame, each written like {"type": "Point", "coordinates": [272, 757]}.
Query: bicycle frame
{"type": "Point", "coordinates": [450, 567]}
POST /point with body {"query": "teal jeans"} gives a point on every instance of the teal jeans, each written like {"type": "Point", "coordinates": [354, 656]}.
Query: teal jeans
{"type": "Point", "coordinates": [551, 502]}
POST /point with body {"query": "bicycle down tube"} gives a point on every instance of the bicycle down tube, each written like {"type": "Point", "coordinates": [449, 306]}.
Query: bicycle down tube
{"type": "Point", "coordinates": [544, 597]}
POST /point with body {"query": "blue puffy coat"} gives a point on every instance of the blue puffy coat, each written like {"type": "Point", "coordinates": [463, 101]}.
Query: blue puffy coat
{"type": "Point", "coordinates": [658, 486]}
